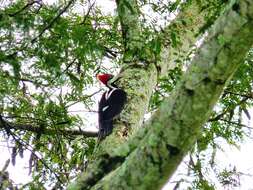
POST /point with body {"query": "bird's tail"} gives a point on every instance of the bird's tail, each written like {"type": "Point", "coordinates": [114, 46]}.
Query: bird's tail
{"type": "Point", "coordinates": [105, 128]}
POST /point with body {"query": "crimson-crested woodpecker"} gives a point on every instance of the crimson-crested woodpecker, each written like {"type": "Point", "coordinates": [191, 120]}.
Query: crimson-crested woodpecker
{"type": "Point", "coordinates": [110, 105]}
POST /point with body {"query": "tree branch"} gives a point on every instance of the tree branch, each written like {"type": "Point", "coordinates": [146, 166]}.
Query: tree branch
{"type": "Point", "coordinates": [236, 123]}
{"type": "Point", "coordinates": [6, 125]}
{"type": "Point", "coordinates": [130, 25]}
{"type": "Point", "coordinates": [219, 116]}
{"type": "Point", "coordinates": [248, 96]}
{"type": "Point", "coordinates": [46, 131]}
{"type": "Point", "coordinates": [87, 14]}
{"type": "Point", "coordinates": [174, 128]}
{"type": "Point", "coordinates": [29, 4]}
{"type": "Point", "coordinates": [50, 24]}
{"type": "Point", "coordinates": [139, 84]}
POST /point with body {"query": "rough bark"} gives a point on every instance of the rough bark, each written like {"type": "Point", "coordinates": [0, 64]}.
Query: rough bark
{"type": "Point", "coordinates": [174, 128]}
{"type": "Point", "coordinates": [153, 154]}
{"type": "Point", "coordinates": [139, 81]}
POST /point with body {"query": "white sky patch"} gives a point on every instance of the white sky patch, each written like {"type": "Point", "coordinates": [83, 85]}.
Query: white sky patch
{"type": "Point", "coordinates": [19, 172]}
{"type": "Point", "coordinates": [107, 6]}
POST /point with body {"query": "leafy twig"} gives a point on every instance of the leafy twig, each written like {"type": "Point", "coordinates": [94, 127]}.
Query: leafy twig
{"type": "Point", "coordinates": [23, 8]}
{"type": "Point", "coordinates": [53, 21]}
{"type": "Point", "coordinates": [249, 96]}
{"type": "Point", "coordinates": [235, 123]}
{"type": "Point", "coordinates": [28, 147]}
{"type": "Point", "coordinates": [87, 14]}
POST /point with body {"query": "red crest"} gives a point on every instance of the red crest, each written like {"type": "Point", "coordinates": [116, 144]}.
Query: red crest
{"type": "Point", "coordinates": [104, 78]}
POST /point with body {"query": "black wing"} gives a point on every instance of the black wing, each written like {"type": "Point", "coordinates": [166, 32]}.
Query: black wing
{"type": "Point", "coordinates": [113, 105]}
{"type": "Point", "coordinates": [110, 105]}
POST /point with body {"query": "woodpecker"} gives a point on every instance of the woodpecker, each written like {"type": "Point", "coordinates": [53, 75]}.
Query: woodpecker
{"type": "Point", "coordinates": [110, 105]}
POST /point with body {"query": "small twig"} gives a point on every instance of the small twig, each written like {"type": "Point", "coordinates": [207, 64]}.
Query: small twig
{"type": "Point", "coordinates": [87, 111]}
{"type": "Point", "coordinates": [83, 98]}
{"type": "Point", "coordinates": [248, 96]}
{"type": "Point", "coordinates": [52, 21]}
{"type": "Point", "coordinates": [235, 123]}
{"type": "Point", "coordinates": [218, 117]}
{"type": "Point", "coordinates": [23, 8]}
{"type": "Point", "coordinates": [33, 82]}
{"type": "Point", "coordinates": [6, 165]}
{"type": "Point", "coordinates": [87, 14]}
{"type": "Point", "coordinates": [64, 71]}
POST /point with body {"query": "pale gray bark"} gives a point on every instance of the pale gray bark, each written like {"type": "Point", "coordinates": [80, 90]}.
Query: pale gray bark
{"type": "Point", "coordinates": [174, 128]}
{"type": "Point", "coordinates": [152, 155]}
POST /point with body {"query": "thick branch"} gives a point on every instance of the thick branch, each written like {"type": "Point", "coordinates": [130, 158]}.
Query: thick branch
{"type": "Point", "coordinates": [139, 83]}
{"type": "Point", "coordinates": [130, 25]}
{"type": "Point", "coordinates": [174, 128]}
{"type": "Point", "coordinates": [187, 27]}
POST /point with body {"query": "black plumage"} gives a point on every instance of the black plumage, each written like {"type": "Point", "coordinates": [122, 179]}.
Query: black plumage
{"type": "Point", "coordinates": [110, 105]}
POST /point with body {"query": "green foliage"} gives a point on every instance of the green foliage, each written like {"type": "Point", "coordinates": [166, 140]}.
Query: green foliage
{"type": "Point", "coordinates": [48, 62]}
{"type": "Point", "coordinates": [164, 87]}
{"type": "Point", "coordinates": [215, 8]}
{"type": "Point", "coordinates": [230, 177]}
{"type": "Point", "coordinates": [203, 184]}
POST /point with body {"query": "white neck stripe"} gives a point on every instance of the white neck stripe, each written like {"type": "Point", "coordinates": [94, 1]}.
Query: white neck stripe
{"type": "Point", "coordinates": [109, 93]}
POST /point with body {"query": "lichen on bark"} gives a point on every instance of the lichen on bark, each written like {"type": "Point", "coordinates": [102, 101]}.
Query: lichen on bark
{"type": "Point", "coordinates": [137, 77]}
{"type": "Point", "coordinates": [174, 129]}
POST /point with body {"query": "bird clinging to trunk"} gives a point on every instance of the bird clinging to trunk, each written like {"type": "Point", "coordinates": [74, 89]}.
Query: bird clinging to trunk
{"type": "Point", "coordinates": [110, 105]}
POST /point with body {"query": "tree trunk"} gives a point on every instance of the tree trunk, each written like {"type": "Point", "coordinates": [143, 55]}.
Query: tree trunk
{"type": "Point", "coordinates": [152, 154]}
